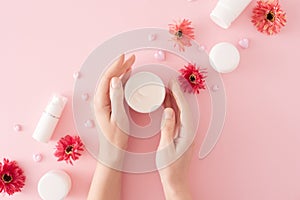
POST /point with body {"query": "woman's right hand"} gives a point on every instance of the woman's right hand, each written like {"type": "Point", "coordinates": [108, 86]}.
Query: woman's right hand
{"type": "Point", "coordinates": [177, 137]}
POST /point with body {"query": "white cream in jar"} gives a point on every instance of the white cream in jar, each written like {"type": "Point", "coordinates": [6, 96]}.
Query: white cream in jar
{"type": "Point", "coordinates": [145, 92]}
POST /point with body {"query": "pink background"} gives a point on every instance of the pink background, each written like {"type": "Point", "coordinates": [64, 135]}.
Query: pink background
{"type": "Point", "coordinates": [257, 157]}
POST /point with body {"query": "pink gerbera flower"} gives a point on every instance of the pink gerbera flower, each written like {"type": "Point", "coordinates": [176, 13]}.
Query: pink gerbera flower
{"type": "Point", "coordinates": [182, 33]}
{"type": "Point", "coordinates": [68, 148]}
{"type": "Point", "coordinates": [192, 79]}
{"type": "Point", "coordinates": [268, 17]}
{"type": "Point", "coordinates": [12, 177]}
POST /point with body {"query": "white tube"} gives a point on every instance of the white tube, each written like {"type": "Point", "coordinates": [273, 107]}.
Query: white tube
{"type": "Point", "coordinates": [49, 119]}
{"type": "Point", "coordinates": [226, 11]}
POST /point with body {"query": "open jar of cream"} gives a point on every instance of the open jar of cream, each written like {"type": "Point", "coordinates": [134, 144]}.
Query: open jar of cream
{"type": "Point", "coordinates": [144, 92]}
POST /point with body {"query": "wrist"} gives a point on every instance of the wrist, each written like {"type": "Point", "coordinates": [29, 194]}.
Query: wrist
{"type": "Point", "coordinates": [176, 190]}
{"type": "Point", "coordinates": [111, 155]}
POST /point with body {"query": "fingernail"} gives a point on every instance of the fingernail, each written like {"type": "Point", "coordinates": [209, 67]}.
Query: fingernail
{"type": "Point", "coordinates": [168, 114]}
{"type": "Point", "coordinates": [115, 83]}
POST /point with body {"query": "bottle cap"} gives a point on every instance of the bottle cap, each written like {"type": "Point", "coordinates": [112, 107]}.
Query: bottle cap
{"type": "Point", "coordinates": [56, 105]}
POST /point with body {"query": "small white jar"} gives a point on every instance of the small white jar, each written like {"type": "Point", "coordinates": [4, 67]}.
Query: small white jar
{"type": "Point", "coordinates": [144, 92]}
{"type": "Point", "coordinates": [224, 57]}
{"type": "Point", "coordinates": [55, 184]}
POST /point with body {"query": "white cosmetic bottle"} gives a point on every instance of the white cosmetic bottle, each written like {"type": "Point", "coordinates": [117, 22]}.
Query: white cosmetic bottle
{"type": "Point", "coordinates": [49, 118]}
{"type": "Point", "coordinates": [226, 11]}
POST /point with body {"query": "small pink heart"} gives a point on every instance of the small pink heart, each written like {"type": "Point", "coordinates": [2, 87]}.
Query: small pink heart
{"type": "Point", "coordinates": [37, 157]}
{"type": "Point", "coordinates": [215, 88]}
{"type": "Point", "coordinates": [17, 127]}
{"type": "Point", "coordinates": [85, 96]}
{"type": "Point", "coordinates": [89, 123]}
{"type": "Point", "coordinates": [160, 55]}
{"type": "Point", "coordinates": [202, 48]}
{"type": "Point", "coordinates": [76, 75]}
{"type": "Point", "coordinates": [151, 37]}
{"type": "Point", "coordinates": [244, 43]}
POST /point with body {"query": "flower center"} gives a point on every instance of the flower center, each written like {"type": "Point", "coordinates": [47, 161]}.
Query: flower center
{"type": "Point", "coordinates": [270, 16]}
{"type": "Point", "coordinates": [69, 149]}
{"type": "Point", "coordinates": [192, 78]}
{"type": "Point", "coordinates": [179, 34]}
{"type": "Point", "coordinates": [7, 178]}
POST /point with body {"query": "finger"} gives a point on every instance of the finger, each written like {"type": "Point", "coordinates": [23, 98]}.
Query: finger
{"type": "Point", "coordinates": [128, 63]}
{"type": "Point", "coordinates": [187, 128]}
{"type": "Point", "coordinates": [118, 113]}
{"type": "Point", "coordinates": [126, 76]}
{"type": "Point", "coordinates": [168, 98]}
{"type": "Point", "coordinates": [183, 106]}
{"type": "Point", "coordinates": [117, 69]}
{"type": "Point", "coordinates": [168, 127]}
{"type": "Point", "coordinates": [170, 102]}
{"type": "Point", "coordinates": [102, 102]}
{"type": "Point", "coordinates": [178, 95]}
{"type": "Point", "coordinates": [166, 148]}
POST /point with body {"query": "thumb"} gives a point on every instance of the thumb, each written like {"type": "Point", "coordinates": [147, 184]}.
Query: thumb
{"type": "Point", "coordinates": [116, 95]}
{"type": "Point", "coordinates": [167, 128]}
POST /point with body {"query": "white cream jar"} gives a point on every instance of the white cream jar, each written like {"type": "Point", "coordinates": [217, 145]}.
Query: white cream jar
{"type": "Point", "coordinates": [144, 92]}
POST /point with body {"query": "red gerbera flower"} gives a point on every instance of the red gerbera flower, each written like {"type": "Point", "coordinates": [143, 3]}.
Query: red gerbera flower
{"type": "Point", "coordinates": [268, 17]}
{"type": "Point", "coordinates": [192, 79]}
{"type": "Point", "coordinates": [12, 177]}
{"type": "Point", "coordinates": [68, 148]}
{"type": "Point", "coordinates": [183, 33]}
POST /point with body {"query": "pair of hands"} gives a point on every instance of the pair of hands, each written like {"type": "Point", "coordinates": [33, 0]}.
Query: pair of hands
{"type": "Point", "coordinates": [176, 128]}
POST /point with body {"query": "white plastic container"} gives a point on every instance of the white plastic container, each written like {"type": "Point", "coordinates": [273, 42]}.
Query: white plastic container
{"type": "Point", "coordinates": [224, 57]}
{"type": "Point", "coordinates": [54, 185]}
{"type": "Point", "coordinates": [226, 11]}
{"type": "Point", "coordinates": [49, 118]}
{"type": "Point", "coordinates": [145, 92]}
